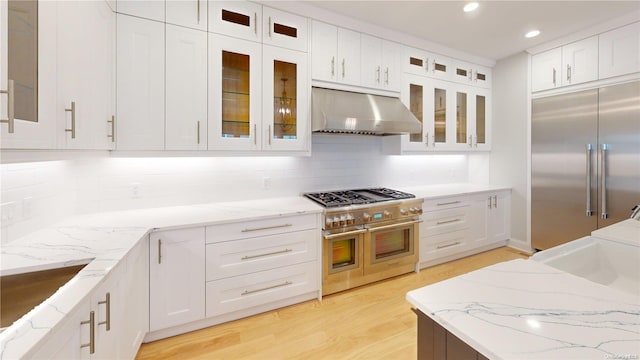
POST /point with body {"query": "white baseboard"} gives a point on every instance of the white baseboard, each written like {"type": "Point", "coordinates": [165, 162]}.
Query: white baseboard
{"type": "Point", "coordinates": [520, 245]}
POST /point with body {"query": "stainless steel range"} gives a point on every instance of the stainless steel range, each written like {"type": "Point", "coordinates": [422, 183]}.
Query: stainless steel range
{"type": "Point", "coordinates": [368, 235]}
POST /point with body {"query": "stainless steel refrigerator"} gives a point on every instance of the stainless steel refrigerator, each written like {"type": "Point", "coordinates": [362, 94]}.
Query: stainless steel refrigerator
{"type": "Point", "coordinates": [585, 162]}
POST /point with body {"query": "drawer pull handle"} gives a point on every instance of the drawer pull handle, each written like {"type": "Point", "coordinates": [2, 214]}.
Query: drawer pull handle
{"type": "Point", "coordinates": [248, 257]}
{"type": "Point", "coordinates": [449, 203]}
{"type": "Point", "coordinates": [266, 227]}
{"type": "Point", "coordinates": [247, 292]}
{"type": "Point", "coordinates": [449, 245]}
{"type": "Point", "coordinates": [447, 222]}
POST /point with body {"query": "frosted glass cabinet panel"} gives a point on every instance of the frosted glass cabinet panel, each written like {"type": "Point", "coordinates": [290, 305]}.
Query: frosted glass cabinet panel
{"type": "Point", "coordinates": [461, 117]}
{"type": "Point", "coordinates": [440, 114]}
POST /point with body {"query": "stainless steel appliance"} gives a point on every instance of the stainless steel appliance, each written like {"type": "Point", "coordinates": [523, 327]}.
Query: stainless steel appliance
{"type": "Point", "coordinates": [368, 235]}
{"type": "Point", "coordinates": [585, 162]}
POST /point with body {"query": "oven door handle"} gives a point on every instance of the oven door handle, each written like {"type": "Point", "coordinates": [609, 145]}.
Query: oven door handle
{"type": "Point", "coordinates": [347, 233]}
{"type": "Point", "coordinates": [383, 227]}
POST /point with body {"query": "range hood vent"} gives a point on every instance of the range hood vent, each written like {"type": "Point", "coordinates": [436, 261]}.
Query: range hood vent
{"type": "Point", "coordinates": [345, 112]}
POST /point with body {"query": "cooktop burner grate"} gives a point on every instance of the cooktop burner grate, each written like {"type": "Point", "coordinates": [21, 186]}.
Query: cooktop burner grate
{"type": "Point", "coordinates": [357, 196]}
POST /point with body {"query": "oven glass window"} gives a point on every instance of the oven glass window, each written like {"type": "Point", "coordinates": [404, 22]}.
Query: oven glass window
{"type": "Point", "coordinates": [392, 243]}
{"type": "Point", "coordinates": [343, 253]}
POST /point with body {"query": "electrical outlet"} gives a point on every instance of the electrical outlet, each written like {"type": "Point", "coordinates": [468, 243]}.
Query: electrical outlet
{"type": "Point", "coordinates": [134, 190]}
{"type": "Point", "coordinates": [266, 183]}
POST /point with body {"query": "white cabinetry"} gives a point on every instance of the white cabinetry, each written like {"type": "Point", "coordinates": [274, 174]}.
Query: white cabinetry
{"type": "Point", "coordinates": [146, 9]}
{"type": "Point", "coordinates": [335, 54]}
{"type": "Point", "coordinates": [186, 89]}
{"type": "Point", "coordinates": [189, 13]}
{"type": "Point", "coordinates": [580, 61]}
{"type": "Point", "coordinates": [67, 341]}
{"type": "Point", "coordinates": [619, 51]}
{"type": "Point", "coordinates": [420, 62]}
{"type": "Point", "coordinates": [459, 226]}
{"type": "Point", "coordinates": [546, 70]}
{"type": "Point", "coordinates": [135, 301]}
{"type": "Point", "coordinates": [176, 277]}
{"type": "Point", "coordinates": [257, 263]}
{"type": "Point", "coordinates": [476, 75]}
{"type": "Point", "coordinates": [140, 84]}
{"type": "Point", "coordinates": [86, 75]}
{"type": "Point", "coordinates": [380, 68]}
{"type": "Point", "coordinates": [241, 19]}
{"type": "Point", "coordinates": [471, 130]}
{"type": "Point", "coordinates": [285, 30]}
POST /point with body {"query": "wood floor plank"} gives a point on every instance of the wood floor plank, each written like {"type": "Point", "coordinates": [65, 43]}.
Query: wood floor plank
{"type": "Point", "coordinates": [371, 322]}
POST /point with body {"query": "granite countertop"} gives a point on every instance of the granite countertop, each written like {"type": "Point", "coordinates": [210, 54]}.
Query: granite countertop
{"type": "Point", "coordinates": [523, 309]}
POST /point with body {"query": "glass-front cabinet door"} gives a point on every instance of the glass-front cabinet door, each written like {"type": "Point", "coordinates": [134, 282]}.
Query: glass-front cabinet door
{"type": "Point", "coordinates": [463, 136]}
{"type": "Point", "coordinates": [416, 94]}
{"type": "Point", "coordinates": [285, 91]}
{"type": "Point", "coordinates": [472, 118]}
{"type": "Point", "coordinates": [480, 128]}
{"type": "Point", "coordinates": [234, 94]}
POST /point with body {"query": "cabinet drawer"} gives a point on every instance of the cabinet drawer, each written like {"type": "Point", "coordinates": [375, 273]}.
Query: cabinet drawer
{"type": "Point", "coordinates": [250, 229]}
{"type": "Point", "coordinates": [243, 292]}
{"type": "Point", "coordinates": [233, 258]}
{"type": "Point", "coordinates": [444, 221]}
{"type": "Point", "coordinates": [437, 246]}
{"type": "Point", "coordinates": [445, 203]}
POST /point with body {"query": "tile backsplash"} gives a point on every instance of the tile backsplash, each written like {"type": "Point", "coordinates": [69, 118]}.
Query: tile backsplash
{"type": "Point", "coordinates": [38, 194]}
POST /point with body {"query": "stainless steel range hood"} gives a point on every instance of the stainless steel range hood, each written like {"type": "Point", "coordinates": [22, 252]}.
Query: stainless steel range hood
{"type": "Point", "coordinates": [345, 112]}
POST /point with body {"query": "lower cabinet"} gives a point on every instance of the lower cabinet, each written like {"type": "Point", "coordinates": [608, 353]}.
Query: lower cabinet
{"type": "Point", "coordinates": [456, 226]}
{"type": "Point", "coordinates": [436, 343]}
{"type": "Point", "coordinates": [176, 277]}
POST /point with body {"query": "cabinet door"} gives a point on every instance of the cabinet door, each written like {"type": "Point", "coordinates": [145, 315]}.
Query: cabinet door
{"type": "Point", "coordinates": [415, 61]}
{"type": "Point", "coordinates": [324, 57]}
{"type": "Point", "coordinates": [241, 19]}
{"type": "Point", "coordinates": [186, 89]}
{"type": "Point", "coordinates": [463, 72]}
{"type": "Point", "coordinates": [440, 67]}
{"type": "Point", "coordinates": [463, 117]}
{"type": "Point", "coordinates": [285, 29]}
{"type": "Point", "coordinates": [481, 114]}
{"type": "Point", "coordinates": [416, 95]}
{"type": "Point", "coordinates": [499, 220]}
{"type": "Point", "coordinates": [481, 206]}
{"type": "Point", "coordinates": [135, 289]}
{"type": "Point", "coordinates": [189, 13]}
{"type": "Point", "coordinates": [235, 94]}
{"type": "Point", "coordinates": [176, 277]}
{"type": "Point", "coordinates": [285, 110]}
{"type": "Point", "coordinates": [580, 61]}
{"type": "Point", "coordinates": [391, 74]}
{"type": "Point", "coordinates": [349, 60]}
{"type": "Point", "coordinates": [28, 42]}
{"type": "Point", "coordinates": [86, 75]}
{"type": "Point", "coordinates": [619, 51]}
{"type": "Point", "coordinates": [482, 76]}
{"type": "Point", "coordinates": [108, 303]}
{"type": "Point", "coordinates": [545, 70]}
{"type": "Point", "coordinates": [67, 340]}
{"type": "Point", "coordinates": [371, 69]}
{"type": "Point", "coordinates": [146, 9]}
{"type": "Point", "coordinates": [140, 84]}
{"type": "Point", "coordinates": [443, 115]}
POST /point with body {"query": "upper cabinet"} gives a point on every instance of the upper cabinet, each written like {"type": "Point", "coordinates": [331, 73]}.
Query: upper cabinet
{"type": "Point", "coordinates": [335, 54]}
{"type": "Point", "coordinates": [580, 61]}
{"type": "Point", "coordinates": [86, 75]}
{"type": "Point", "coordinates": [380, 66]}
{"type": "Point", "coordinates": [420, 62]}
{"type": "Point", "coordinates": [546, 70]}
{"type": "Point", "coordinates": [472, 74]}
{"type": "Point", "coordinates": [619, 52]}
{"type": "Point", "coordinates": [285, 30]}
{"type": "Point", "coordinates": [188, 13]}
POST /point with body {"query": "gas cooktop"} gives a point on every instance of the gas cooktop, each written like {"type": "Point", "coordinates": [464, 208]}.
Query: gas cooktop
{"type": "Point", "coordinates": [331, 199]}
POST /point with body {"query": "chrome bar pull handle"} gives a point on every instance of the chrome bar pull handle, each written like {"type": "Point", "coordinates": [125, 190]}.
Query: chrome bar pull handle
{"type": "Point", "coordinates": [248, 292]}
{"type": "Point", "coordinates": [470, 141]}
{"type": "Point", "coordinates": [343, 68]}
{"type": "Point", "coordinates": [92, 335]}
{"type": "Point", "coordinates": [249, 257]}
{"type": "Point", "coordinates": [426, 139]}
{"type": "Point", "coordinates": [378, 75]}
{"type": "Point", "coordinates": [198, 7]}
{"type": "Point", "coordinates": [386, 75]}
{"type": "Point", "coordinates": [269, 134]}
{"type": "Point", "coordinates": [10, 120]}
{"type": "Point", "coordinates": [255, 134]}
{"type": "Point", "coordinates": [495, 201]}
{"type": "Point", "coordinates": [470, 74]}
{"type": "Point", "coordinates": [198, 132]}
{"type": "Point", "coordinates": [113, 128]}
{"type": "Point", "coordinates": [589, 212]}
{"type": "Point", "coordinates": [603, 175]}
{"type": "Point", "coordinates": [569, 73]}
{"type": "Point", "coordinates": [159, 251]}
{"type": "Point", "coordinates": [107, 304]}
{"type": "Point", "coordinates": [333, 66]}
{"type": "Point", "coordinates": [489, 205]}
{"type": "Point", "coordinates": [447, 221]}
{"type": "Point", "coordinates": [554, 77]}
{"type": "Point", "coordinates": [269, 26]}
{"type": "Point", "coordinates": [426, 65]}
{"type": "Point", "coordinates": [266, 228]}
{"type": "Point", "coordinates": [72, 110]}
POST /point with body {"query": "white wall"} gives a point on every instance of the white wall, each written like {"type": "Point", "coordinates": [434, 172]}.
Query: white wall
{"type": "Point", "coordinates": [96, 183]}
{"type": "Point", "coordinates": [510, 139]}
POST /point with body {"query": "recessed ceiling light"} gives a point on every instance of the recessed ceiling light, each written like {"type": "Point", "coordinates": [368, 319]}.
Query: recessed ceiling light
{"type": "Point", "coordinates": [470, 6]}
{"type": "Point", "coordinates": [532, 33]}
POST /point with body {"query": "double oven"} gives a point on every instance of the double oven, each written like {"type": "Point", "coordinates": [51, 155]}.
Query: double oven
{"type": "Point", "coordinates": [370, 236]}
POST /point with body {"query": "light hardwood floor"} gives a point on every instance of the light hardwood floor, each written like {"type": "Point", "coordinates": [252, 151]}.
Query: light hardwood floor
{"type": "Point", "coordinates": [370, 322]}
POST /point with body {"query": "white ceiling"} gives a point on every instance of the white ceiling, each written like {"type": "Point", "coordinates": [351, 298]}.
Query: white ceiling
{"type": "Point", "coordinates": [494, 31]}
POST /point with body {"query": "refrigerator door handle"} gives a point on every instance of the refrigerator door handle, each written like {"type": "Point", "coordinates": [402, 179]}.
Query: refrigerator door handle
{"type": "Point", "coordinates": [603, 175]}
{"type": "Point", "coordinates": [589, 212]}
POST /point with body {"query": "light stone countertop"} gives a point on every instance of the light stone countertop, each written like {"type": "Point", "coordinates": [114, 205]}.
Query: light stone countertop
{"type": "Point", "coordinates": [524, 309]}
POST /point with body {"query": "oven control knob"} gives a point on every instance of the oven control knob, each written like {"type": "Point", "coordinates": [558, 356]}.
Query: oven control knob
{"type": "Point", "coordinates": [343, 220]}
{"type": "Point", "coordinates": [386, 214]}
{"type": "Point", "coordinates": [336, 221]}
{"type": "Point", "coordinates": [413, 210]}
{"type": "Point", "coordinates": [366, 217]}
{"type": "Point", "coordinates": [350, 219]}
{"type": "Point", "coordinates": [419, 211]}
{"type": "Point", "coordinates": [328, 223]}
{"type": "Point", "coordinates": [404, 211]}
